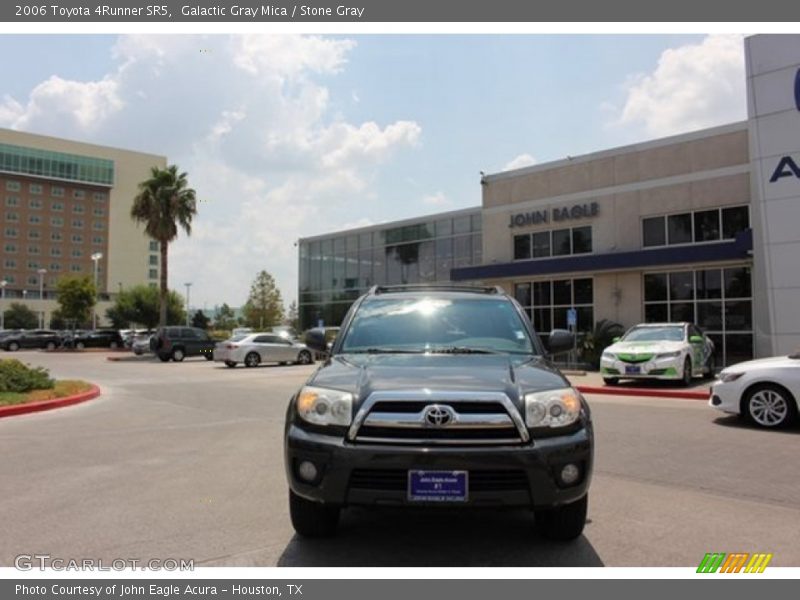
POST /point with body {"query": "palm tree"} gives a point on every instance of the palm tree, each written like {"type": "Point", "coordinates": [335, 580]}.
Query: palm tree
{"type": "Point", "coordinates": [163, 203]}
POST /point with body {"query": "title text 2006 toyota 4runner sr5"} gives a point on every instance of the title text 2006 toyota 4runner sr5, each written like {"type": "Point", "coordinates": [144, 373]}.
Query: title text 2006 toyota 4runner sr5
{"type": "Point", "coordinates": [438, 397]}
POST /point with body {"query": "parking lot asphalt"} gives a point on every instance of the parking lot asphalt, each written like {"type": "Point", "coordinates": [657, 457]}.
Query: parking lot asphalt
{"type": "Point", "coordinates": [184, 460]}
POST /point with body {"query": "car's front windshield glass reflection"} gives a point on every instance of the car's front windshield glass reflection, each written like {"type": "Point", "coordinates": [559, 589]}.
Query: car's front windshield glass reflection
{"type": "Point", "coordinates": [667, 333]}
{"type": "Point", "coordinates": [431, 324]}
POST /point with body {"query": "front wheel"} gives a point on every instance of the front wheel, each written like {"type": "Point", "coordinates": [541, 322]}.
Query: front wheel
{"type": "Point", "coordinates": [563, 523]}
{"type": "Point", "coordinates": [770, 406]}
{"type": "Point", "coordinates": [80, 345]}
{"type": "Point", "coordinates": [209, 356]}
{"type": "Point", "coordinates": [230, 364]}
{"type": "Point", "coordinates": [163, 357]}
{"type": "Point", "coordinates": [686, 380]}
{"type": "Point", "coordinates": [312, 519]}
{"type": "Point", "coordinates": [304, 358]}
{"type": "Point", "coordinates": [178, 355]}
{"type": "Point", "coordinates": [13, 347]}
{"type": "Point", "coordinates": [113, 345]}
{"type": "Point", "coordinates": [51, 345]}
{"type": "Point", "coordinates": [252, 359]}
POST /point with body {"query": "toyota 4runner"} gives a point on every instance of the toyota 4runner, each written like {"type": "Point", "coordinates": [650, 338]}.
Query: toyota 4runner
{"type": "Point", "coordinates": [438, 397]}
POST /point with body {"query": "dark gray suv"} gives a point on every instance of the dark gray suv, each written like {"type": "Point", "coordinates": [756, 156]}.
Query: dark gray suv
{"type": "Point", "coordinates": [438, 397]}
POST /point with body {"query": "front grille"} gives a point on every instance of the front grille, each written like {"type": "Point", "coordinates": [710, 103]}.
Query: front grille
{"type": "Point", "coordinates": [396, 480]}
{"type": "Point", "coordinates": [634, 358]}
{"type": "Point", "coordinates": [471, 419]}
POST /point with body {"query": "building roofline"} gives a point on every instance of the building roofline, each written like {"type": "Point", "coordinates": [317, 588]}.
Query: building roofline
{"type": "Point", "coordinates": [14, 132]}
{"type": "Point", "coordinates": [392, 224]}
{"type": "Point", "coordinates": [619, 150]}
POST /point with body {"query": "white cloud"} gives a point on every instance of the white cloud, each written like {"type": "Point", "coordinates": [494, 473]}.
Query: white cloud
{"type": "Point", "coordinates": [692, 87]}
{"type": "Point", "coordinates": [250, 119]}
{"type": "Point", "coordinates": [438, 200]}
{"type": "Point", "coordinates": [523, 160]}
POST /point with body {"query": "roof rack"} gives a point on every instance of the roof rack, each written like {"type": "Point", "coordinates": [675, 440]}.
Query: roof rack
{"type": "Point", "coordinates": [419, 287]}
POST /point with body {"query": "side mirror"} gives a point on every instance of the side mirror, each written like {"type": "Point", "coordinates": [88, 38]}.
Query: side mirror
{"type": "Point", "coordinates": [315, 339]}
{"type": "Point", "coordinates": [560, 341]}
{"type": "Point", "coordinates": [615, 339]}
{"type": "Point", "coordinates": [696, 339]}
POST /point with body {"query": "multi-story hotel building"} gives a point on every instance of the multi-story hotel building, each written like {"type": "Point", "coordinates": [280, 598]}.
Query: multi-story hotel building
{"type": "Point", "coordinates": [61, 204]}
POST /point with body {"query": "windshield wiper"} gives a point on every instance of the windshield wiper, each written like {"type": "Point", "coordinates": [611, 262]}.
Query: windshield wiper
{"type": "Point", "coordinates": [384, 351]}
{"type": "Point", "coordinates": [461, 350]}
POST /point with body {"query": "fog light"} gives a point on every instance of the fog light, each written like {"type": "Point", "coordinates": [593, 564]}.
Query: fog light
{"type": "Point", "coordinates": [307, 471]}
{"type": "Point", "coordinates": [570, 474]}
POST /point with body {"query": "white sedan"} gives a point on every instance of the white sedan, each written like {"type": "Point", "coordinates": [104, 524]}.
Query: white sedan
{"type": "Point", "coordinates": [676, 351]}
{"type": "Point", "coordinates": [764, 390]}
{"type": "Point", "coordinates": [254, 348]}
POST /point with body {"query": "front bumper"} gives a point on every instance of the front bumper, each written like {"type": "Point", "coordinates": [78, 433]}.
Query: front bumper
{"type": "Point", "coordinates": [500, 476]}
{"type": "Point", "coordinates": [655, 368]}
{"type": "Point", "coordinates": [725, 397]}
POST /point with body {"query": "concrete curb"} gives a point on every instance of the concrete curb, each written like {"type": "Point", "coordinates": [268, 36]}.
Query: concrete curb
{"type": "Point", "coordinates": [29, 407]}
{"type": "Point", "coordinates": [617, 391]}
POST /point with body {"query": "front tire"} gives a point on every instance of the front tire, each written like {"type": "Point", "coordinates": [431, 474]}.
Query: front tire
{"type": "Point", "coordinates": [304, 358]}
{"type": "Point", "coordinates": [563, 523]}
{"type": "Point", "coordinates": [711, 367]}
{"type": "Point", "coordinates": [80, 345]}
{"type": "Point", "coordinates": [312, 519]}
{"type": "Point", "coordinates": [113, 345]}
{"type": "Point", "coordinates": [770, 406]}
{"type": "Point", "coordinates": [51, 346]}
{"type": "Point", "coordinates": [163, 357]}
{"type": "Point", "coordinates": [13, 347]}
{"type": "Point", "coordinates": [178, 355]}
{"type": "Point", "coordinates": [686, 380]}
{"type": "Point", "coordinates": [230, 364]}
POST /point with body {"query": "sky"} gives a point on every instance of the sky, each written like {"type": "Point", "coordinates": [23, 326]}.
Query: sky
{"type": "Point", "coordinates": [287, 136]}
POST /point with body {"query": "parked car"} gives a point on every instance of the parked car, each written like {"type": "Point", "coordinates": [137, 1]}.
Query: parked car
{"type": "Point", "coordinates": [437, 396]}
{"type": "Point", "coordinates": [672, 351]}
{"type": "Point", "coordinates": [256, 348]}
{"type": "Point", "coordinates": [97, 338]}
{"type": "Point", "coordinates": [765, 391]}
{"type": "Point", "coordinates": [176, 343]}
{"type": "Point", "coordinates": [37, 338]}
{"type": "Point", "coordinates": [141, 343]}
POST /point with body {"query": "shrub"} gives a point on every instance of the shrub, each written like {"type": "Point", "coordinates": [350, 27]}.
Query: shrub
{"type": "Point", "coordinates": [20, 378]}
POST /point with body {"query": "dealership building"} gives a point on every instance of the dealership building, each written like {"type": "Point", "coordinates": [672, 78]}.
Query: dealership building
{"type": "Point", "coordinates": [701, 227]}
{"type": "Point", "coordinates": [66, 211]}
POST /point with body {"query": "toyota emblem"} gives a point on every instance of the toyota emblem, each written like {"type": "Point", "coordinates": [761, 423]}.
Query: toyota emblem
{"type": "Point", "coordinates": [438, 415]}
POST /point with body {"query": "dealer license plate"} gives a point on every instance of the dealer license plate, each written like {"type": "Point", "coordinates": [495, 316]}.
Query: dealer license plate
{"type": "Point", "coordinates": [633, 370]}
{"type": "Point", "coordinates": [438, 486]}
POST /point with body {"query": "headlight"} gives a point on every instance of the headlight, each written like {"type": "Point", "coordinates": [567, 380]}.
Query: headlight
{"type": "Point", "coordinates": [669, 354]}
{"type": "Point", "coordinates": [728, 377]}
{"type": "Point", "coordinates": [609, 356]}
{"type": "Point", "coordinates": [553, 408]}
{"type": "Point", "coordinates": [322, 406]}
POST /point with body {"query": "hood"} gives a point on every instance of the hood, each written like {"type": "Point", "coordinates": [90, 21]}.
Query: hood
{"type": "Point", "coordinates": [645, 347]}
{"type": "Point", "coordinates": [763, 363]}
{"type": "Point", "coordinates": [362, 374]}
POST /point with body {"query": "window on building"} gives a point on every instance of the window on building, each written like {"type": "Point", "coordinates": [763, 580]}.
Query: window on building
{"type": "Point", "coordinates": [35, 189]}
{"type": "Point", "coordinates": [34, 234]}
{"type": "Point", "coordinates": [10, 263]}
{"type": "Point", "coordinates": [153, 274]}
{"type": "Point", "coordinates": [12, 217]}
{"type": "Point", "coordinates": [734, 220]}
{"type": "Point", "coordinates": [11, 232]}
{"type": "Point", "coordinates": [12, 200]}
{"type": "Point", "coordinates": [56, 236]}
{"type": "Point", "coordinates": [699, 226]}
{"type": "Point", "coordinates": [55, 266]}
{"type": "Point", "coordinates": [706, 225]}
{"type": "Point", "coordinates": [153, 246]}
{"type": "Point", "coordinates": [35, 250]}
{"type": "Point", "coordinates": [56, 191]}
{"type": "Point", "coordinates": [78, 194]}
{"type": "Point", "coordinates": [57, 206]}
{"type": "Point", "coordinates": [679, 228]}
{"type": "Point", "coordinates": [541, 244]}
{"type": "Point", "coordinates": [547, 302]}
{"type": "Point", "coordinates": [718, 300]}
{"type": "Point", "coordinates": [562, 242]}
{"type": "Point", "coordinates": [57, 222]}
{"type": "Point", "coordinates": [77, 238]}
{"type": "Point", "coordinates": [77, 223]}
{"type": "Point", "coordinates": [55, 251]}
{"type": "Point", "coordinates": [75, 268]}
{"type": "Point", "coordinates": [654, 232]}
{"type": "Point", "coordinates": [10, 248]}
{"type": "Point", "coordinates": [35, 203]}
{"type": "Point", "coordinates": [34, 219]}
{"type": "Point", "coordinates": [581, 240]}
{"type": "Point", "coordinates": [13, 186]}
{"type": "Point", "coordinates": [522, 246]}
{"type": "Point", "coordinates": [99, 211]}
{"type": "Point", "coordinates": [33, 265]}
{"type": "Point", "coordinates": [78, 209]}
{"type": "Point", "coordinates": [98, 225]}
{"type": "Point", "coordinates": [97, 240]}
{"type": "Point", "coordinates": [77, 253]}
{"type": "Point", "coordinates": [99, 196]}
{"type": "Point", "coordinates": [33, 280]}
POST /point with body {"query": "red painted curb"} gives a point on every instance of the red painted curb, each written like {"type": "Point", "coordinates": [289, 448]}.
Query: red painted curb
{"type": "Point", "coordinates": [29, 407]}
{"type": "Point", "coordinates": [616, 391]}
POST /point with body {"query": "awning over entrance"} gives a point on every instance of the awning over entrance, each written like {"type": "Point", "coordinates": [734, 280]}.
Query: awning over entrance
{"type": "Point", "coordinates": [738, 248]}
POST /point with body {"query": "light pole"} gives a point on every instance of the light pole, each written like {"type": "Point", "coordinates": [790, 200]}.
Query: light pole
{"type": "Point", "coordinates": [3, 285]}
{"type": "Point", "coordinates": [96, 259]}
{"type": "Point", "coordinates": [188, 285]}
{"type": "Point", "coordinates": [41, 273]}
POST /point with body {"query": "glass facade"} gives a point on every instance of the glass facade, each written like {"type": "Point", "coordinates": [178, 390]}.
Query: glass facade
{"type": "Point", "coordinates": [336, 269]}
{"type": "Point", "coordinates": [56, 165]}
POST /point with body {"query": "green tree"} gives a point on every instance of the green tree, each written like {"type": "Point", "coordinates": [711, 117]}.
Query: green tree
{"type": "Point", "coordinates": [140, 305]}
{"type": "Point", "coordinates": [164, 203]}
{"type": "Point", "coordinates": [293, 318]}
{"type": "Point", "coordinates": [225, 318]}
{"type": "Point", "coordinates": [76, 299]}
{"type": "Point", "coordinates": [199, 319]}
{"type": "Point", "coordinates": [19, 316]}
{"type": "Point", "coordinates": [264, 306]}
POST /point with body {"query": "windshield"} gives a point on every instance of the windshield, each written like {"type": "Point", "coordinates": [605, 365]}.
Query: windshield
{"type": "Point", "coordinates": [668, 333]}
{"type": "Point", "coordinates": [437, 324]}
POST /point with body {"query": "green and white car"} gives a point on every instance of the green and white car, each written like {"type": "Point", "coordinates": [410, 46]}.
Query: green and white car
{"type": "Point", "coordinates": [672, 351]}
